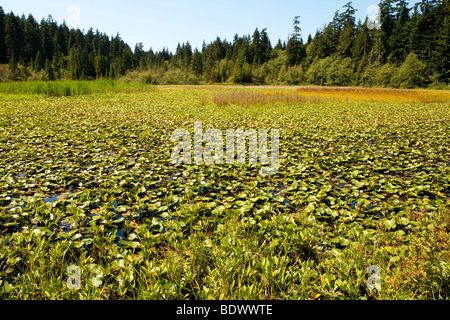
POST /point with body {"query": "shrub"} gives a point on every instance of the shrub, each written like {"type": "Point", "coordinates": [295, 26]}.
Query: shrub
{"type": "Point", "coordinates": [379, 75]}
{"type": "Point", "coordinates": [339, 72]}
{"type": "Point", "coordinates": [331, 71]}
{"type": "Point", "coordinates": [411, 73]}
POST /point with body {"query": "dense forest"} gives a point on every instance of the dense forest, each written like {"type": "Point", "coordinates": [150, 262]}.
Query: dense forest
{"type": "Point", "coordinates": [408, 47]}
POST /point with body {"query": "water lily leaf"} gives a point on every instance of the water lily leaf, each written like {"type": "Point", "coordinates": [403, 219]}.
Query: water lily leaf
{"type": "Point", "coordinates": [131, 244]}
{"type": "Point", "coordinates": [390, 224]}
{"type": "Point", "coordinates": [344, 242]}
{"type": "Point", "coordinates": [310, 208]}
{"type": "Point", "coordinates": [118, 220]}
{"type": "Point", "coordinates": [118, 264]}
{"type": "Point", "coordinates": [208, 243]}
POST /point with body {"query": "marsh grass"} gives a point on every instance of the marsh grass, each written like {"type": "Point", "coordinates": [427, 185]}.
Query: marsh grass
{"type": "Point", "coordinates": [325, 94]}
{"type": "Point", "coordinates": [245, 98]}
{"type": "Point", "coordinates": [72, 88]}
{"type": "Point", "coordinates": [238, 257]}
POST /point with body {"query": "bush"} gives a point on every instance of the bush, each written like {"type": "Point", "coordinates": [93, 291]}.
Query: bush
{"type": "Point", "coordinates": [377, 75]}
{"type": "Point", "coordinates": [316, 74]}
{"type": "Point", "coordinates": [331, 71]}
{"type": "Point", "coordinates": [339, 72]}
{"type": "Point", "coordinates": [295, 75]}
{"type": "Point", "coordinates": [411, 73]}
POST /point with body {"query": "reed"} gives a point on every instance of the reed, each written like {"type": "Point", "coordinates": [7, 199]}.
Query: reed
{"type": "Point", "coordinates": [71, 88]}
{"type": "Point", "coordinates": [321, 94]}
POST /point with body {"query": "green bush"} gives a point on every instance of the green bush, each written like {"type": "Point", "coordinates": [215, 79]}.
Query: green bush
{"type": "Point", "coordinates": [339, 72]}
{"type": "Point", "coordinates": [379, 75]}
{"type": "Point", "coordinates": [316, 74]}
{"type": "Point", "coordinates": [411, 73]}
{"type": "Point", "coordinates": [331, 71]}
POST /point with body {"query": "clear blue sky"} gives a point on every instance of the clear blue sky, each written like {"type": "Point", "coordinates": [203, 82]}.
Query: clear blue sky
{"type": "Point", "coordinates": [159, 24]}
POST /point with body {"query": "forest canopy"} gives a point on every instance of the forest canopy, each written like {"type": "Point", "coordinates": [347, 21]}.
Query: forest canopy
{"type": "Point", "coordinates": [409, 47]}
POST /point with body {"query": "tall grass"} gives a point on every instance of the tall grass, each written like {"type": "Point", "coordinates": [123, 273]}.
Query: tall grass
{"type": "Point", "coordinates": [377, 94]}
{"type": "Point", "coordinates": [250, 98]}
{"type": "Point", "coordinates": [71, 88]}
{"type": "Point", "coordinates": [319, 94]}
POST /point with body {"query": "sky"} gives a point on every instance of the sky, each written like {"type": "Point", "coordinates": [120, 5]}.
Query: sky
{"type": "Point", "coordinates": [159, 24]}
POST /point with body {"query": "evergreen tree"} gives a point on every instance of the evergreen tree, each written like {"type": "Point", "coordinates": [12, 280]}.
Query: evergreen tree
{"type": "Point", "coordinates": [49, 70]}
{"type": "Point", "coordinates": [39, 62]}
{"type": "Point", "coordinates": [295, 49]}
{"type": "Point", "coordinates": [32, 41]}
{"type": "Point", "coordinates": [347, 31]}
{"type": "Point", "coordinates": [387, 20]}
{"type": "Point", "coordinates": [362, 42]}
{"type": "Point", "coordinates": [3, 49]}
{"type": "Point", "coordinates": [13, 37]}
{"type": "Point", "coordinates": [255, 48]}
{"type": "Point", "coordinates": [197, 63]}
{"type": "Point", "coordinates": [139, 55]}
{"type": "Point", "coordinates": [48, 29]}
{"type": "Point", "coordinates": [266, 46]}
{"type": "Point", "coordinates": [440, 62]}
{"type": "Point", "coordinates": [398, 41]}
{"type": "Point", "coordinates": [278, 46]}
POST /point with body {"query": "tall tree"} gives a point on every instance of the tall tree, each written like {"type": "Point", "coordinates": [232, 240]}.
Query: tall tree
{"type": "Point", "coordinates": [398, 41]}
{"type": "Point", "coordinates": [362, 41]}
{"type": "Point", "coordinates": [255, 48]}
{"type": "Point", "coordinates": [295, 48]}
{"type": "Point", "coordinates": [347, 32]}
{"type": "Point", "coordinates": [197, 63]}
{"type": "Point", "coordinates": [387, 20]}
{"type": "Point", "coordinates": [266, 46]}
{"type": "Point", "coordinates": [32, 43]}
{"type": "Point", "coordinates": [48, 30]}
{"type": "Point", "coordinates": [13, 37]}
{"type": "Point", "coordinates": [3, 49]}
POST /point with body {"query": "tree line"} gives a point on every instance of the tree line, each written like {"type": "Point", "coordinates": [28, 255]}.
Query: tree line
{"type": "Point", "coordinates": [406, 47]}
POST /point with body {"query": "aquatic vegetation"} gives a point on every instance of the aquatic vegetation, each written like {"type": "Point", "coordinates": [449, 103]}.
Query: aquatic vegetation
{"type": "Point", "coordinates": [66, 88]}
{"type": "Point", "coordinates": [87, 181]}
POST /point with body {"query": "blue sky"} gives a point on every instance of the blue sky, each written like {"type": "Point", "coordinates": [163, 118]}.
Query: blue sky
{"type": "Point", "coordinates": [159, 24]}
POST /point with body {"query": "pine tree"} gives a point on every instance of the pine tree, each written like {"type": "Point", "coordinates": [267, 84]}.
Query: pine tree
{"type": "Point", "coordinates": [49, 70]}
{"type": "Point", "coordinates": [39, 62]}
{"type": "Point", "coordinates": [295, 49]}
{"type": "Point", "coordinates": [375, 53]}
{"type": "Point", "coordinates": [387, 20]}
{"type": "Point", "coordinates": [255, 48]}
{"type": "Point", "coordinates": [398, 41]}
{"type": "Point", "coordinates": [32, 41]}
{"type": "Point", "coordinates": [347, 33]}
{"type": "Point", "coordinates": [48, 29]}
{"type": "Point", "coordinates": [3, 50]}
{"type": "Point", "coordinates": [440, 62]}
{"type": "Point", "coordinates": [197, 63]}
{"type": "Point", "coordinates": [266, 46]}
{"type": "Point", "coordinates": [362, 42]}
{"type": "Point", "coordinates": [13, 37]}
